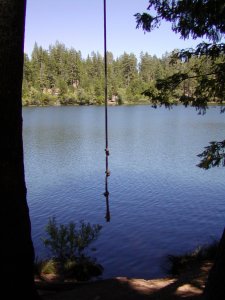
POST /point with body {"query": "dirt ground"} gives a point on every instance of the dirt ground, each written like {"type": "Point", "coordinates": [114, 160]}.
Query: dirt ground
{"type": "Point", "coordinates": [189, 285]}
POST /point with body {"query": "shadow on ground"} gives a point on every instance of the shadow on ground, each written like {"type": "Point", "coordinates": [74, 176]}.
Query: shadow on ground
{"type": "Point", "coordinates": [188, 285]}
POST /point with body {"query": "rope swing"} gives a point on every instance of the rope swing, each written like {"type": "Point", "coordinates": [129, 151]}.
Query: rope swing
{"type": "Point", "coordinates": [107, 172]}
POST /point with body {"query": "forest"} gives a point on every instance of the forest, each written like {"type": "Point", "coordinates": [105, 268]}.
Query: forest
{"type": "Point", "coordinates": [61, 76]}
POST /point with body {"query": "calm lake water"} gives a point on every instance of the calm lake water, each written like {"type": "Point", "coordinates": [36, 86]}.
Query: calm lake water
{"type": "Point", "coordinates": [160, 202]}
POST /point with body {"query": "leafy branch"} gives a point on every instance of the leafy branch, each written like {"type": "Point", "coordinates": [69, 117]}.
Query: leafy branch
{"type": "Point", "coordinates": [209, 50]}
{"type": "Point", "coordinates": [188, 18]}
{"type": "Point", "coordinates": [213, 155]}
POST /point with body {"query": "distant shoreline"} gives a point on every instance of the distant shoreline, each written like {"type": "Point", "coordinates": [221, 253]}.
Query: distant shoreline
{"type": "Point", "coordinates": [114, 104]}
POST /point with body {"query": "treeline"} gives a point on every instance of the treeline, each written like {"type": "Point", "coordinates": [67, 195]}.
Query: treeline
{"type": "Point", "coordinates": [60, 76]}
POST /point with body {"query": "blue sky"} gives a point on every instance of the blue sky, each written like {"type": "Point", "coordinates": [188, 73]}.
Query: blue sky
{"type": "Point", "coordinates": [79, 24]}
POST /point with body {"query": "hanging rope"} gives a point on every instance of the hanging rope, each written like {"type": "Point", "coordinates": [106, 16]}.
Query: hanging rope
{"type": "Point", "coordinates": [107, 172]}
{"type": "Point", "coordinates": [106, 194]}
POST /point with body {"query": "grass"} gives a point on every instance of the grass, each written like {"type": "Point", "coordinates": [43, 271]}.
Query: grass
{"type": "Point", "coordinates": [44, 267]}
{"type": "Point", "coordinates": [82, 270]}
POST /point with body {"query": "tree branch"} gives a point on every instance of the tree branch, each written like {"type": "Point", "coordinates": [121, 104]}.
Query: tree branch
{"type": "Point", "coordinates": [213, 155]}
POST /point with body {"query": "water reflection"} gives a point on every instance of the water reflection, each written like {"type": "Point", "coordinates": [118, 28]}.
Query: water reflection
{"type": "Point", "coordinates": [160, 203]}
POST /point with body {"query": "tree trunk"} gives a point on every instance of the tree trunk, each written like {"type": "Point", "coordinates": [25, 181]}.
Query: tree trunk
{"type": "Point", "coordinates": [215, 286]}
{"type": "Point", "coordinates": [17, 254]}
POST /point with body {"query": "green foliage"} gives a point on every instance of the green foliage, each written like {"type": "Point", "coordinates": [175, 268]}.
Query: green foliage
{"type": "Point", "coordinates": [61, 76]}
{"type": "Point", "coordinates": [69, 241]}
{"type": "Point", "coordinates": [199, 81]}
{"type": "Point", "coordinates": [82, 270]}
{"type": "Point", "coordinates": [188, 18]}
{"type": "Point", "coordinates": [213, 155]}
{"type": "Point", "coordinates": [200, 71]}
{"type": "Point", "coordinates": [44, 267]}
{"type": "Point", "coordinates": [67, 244]}
{"type": "Point", "coordinates": [122, 97]}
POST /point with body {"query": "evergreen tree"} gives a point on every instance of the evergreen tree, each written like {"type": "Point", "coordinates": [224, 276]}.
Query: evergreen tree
{"type": "Point", "coordinates": [61, 76]}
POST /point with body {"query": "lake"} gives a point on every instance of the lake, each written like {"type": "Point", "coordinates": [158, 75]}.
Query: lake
{"type": "Point", "coordinates": [160, 202]}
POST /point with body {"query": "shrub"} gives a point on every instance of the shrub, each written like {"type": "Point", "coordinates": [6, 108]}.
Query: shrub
{"type": "Point", "coordinates": [69, 241]}
{"type": "Point", "coordinates": [178, 263]}
{"type": "Point", "coordinates": [67, 244]}
{"type": "Point", "coordinates": [82, 270]}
